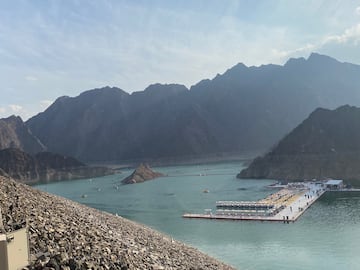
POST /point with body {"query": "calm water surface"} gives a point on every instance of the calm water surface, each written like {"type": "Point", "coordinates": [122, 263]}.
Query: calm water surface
{"type": "Point", "coordinates": [327, 236]}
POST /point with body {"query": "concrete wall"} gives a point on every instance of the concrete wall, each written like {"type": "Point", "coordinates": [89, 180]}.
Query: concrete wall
{"type": "Point", "coordinates": [3, 252]}
{"type": "Point", "coordinates": [16, 248]}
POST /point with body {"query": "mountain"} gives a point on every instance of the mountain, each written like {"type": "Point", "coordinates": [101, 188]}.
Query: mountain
{"type": "Point", "coordinates": [44, 167]}
{"type": "Point", "coordinates": [325, 145]}
{"type": "Point", "coordinates": [141, 174]}
{"type": "Point", "coordinates": [14, 133]}
{"type": "Point", "coordinates": [244, 109]}
{"type": "Point", "coordinates": [109, 124]}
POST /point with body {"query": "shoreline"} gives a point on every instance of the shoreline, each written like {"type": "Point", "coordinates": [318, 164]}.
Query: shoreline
{"type": "Point", "coordinates": [245, 156]}
{"type": "Point", "coordinates": [68, 232]}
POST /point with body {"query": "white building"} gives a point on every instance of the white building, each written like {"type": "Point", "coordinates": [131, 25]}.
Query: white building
{"type": "Point", "coordinates": [334, 184]}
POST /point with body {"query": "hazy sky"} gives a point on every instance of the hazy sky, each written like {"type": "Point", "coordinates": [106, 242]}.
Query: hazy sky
{"type": "Point", "coordinates": [54, 48]}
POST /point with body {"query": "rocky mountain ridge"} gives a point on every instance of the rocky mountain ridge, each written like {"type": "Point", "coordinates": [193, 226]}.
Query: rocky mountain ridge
{"type": "Point", "coordinates": [325, 145]}
{"type": "Point", "coordinates": [45, 167]}
{"type": "Point", "coordinates": [16, 134]}
{"type": "Point", "coordinates": [244, 109]}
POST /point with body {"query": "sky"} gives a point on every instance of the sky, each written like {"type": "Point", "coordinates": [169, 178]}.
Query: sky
{"type": "Point", "coordinates": [54, 48]}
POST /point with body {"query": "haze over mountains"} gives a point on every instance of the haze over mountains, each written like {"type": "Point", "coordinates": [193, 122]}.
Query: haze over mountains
{"type": "Point", "coordinates": [325, 145]}
{"type": "Point", "coordinates": [244, 109]}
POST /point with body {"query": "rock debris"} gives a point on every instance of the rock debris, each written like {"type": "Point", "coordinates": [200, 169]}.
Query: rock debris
{"type": "Point", "coordinates": [65, 235]}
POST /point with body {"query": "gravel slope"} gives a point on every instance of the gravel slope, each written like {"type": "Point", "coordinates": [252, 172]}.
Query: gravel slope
{"type": "Point", "coordinates": [68, 235]}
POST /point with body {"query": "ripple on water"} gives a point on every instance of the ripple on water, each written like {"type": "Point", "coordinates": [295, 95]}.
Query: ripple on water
{"type": "Point", "coordinates": [326, 237]}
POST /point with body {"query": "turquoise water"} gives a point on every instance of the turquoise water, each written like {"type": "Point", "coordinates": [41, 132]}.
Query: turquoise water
{"type": "Point", "coordinates": [327, 236]}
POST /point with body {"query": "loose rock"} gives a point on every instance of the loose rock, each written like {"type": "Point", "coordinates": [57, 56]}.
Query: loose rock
{"type": "Point", "coordinates": [68, 235]}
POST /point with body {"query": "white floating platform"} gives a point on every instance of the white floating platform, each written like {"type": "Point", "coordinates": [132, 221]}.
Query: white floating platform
{"type": "Point", "coordinates": [305, 197]}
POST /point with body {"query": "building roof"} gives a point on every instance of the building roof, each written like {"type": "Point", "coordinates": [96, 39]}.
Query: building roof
{"type": "Point", "coordinates": [334, 182]}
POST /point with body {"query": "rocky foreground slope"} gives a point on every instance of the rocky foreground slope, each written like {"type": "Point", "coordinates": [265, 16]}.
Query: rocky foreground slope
{"type": "Point", "coordinates": [67, 235]}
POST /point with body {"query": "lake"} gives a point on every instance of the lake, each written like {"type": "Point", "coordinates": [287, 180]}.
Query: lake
{"type": "Point", "coordinates": [327, 236]}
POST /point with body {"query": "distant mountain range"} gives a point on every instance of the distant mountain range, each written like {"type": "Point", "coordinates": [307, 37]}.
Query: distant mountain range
{"type": "Point", "coordinates": [325, 145]}
{"type": "Point", "coordinates": [244, 109]}
{"type": "Point", "coordinates": [44, 167]}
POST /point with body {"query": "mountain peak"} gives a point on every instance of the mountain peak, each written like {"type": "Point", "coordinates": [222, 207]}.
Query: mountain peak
{"type": "Point", "coordinates": [240, 66]}
{"type": "Point", "coordinates": [14, 133]}
{"type": "Point", "coordinates": [237, 68]}
{"type": "Point", "coordinates": [166, 87]}
{"type": "Point", "coordinates": [321, 59]}
{"type": "Point", "coordinates": [104, 90]}
{"type": "Point", "coordinates": [61, 99]}
{"type": "Point", "coordinates": [313, 59]}
{"type": "Point", "coordinates": [14, 118]}
{"type": "Point", "coordinates": [295, 61]}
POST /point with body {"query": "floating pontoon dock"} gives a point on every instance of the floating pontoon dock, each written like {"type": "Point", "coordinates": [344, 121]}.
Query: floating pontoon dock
{"type": "Point", "coordinates": [286, 205]}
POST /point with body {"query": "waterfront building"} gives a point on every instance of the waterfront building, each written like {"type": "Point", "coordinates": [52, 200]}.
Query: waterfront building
{"type": "Point", "coordinates": [334, 184]}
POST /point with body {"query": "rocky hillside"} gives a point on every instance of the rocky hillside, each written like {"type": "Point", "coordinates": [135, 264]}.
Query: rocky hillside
{"type": "Point", "coordinates": [325, 145]}
{"type": "Point", "coordinates": [14, 133]}
{"type": "Point", "coordinates": [244, 109]}
{"type": "Point", "coordinates": [44, 167]}
{"type": "Point", "coordinates": [67, 235]}
{"type": "Point", "coordinates": [141, 174]}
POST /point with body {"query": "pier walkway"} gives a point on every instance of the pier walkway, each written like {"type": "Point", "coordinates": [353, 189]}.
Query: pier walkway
{"type": "Point", "coordinates": [286, 205]}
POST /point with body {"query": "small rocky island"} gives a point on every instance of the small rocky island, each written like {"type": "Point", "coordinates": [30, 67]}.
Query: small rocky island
{"type": "Point", "coordinates": [141, 174]}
